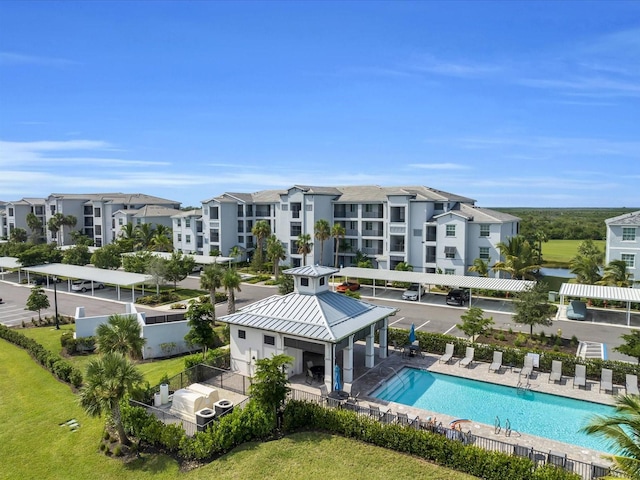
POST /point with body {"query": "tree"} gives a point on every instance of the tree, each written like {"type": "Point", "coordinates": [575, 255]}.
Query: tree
{"type": "Point", "coordinates": [622, 431]}
{"type": "Point", "coordinates": [322, 233]}
{"type": "Point", "coordinates": [157, 268]}
{"type": "Point", "coordinates": [77, 255]}
{"type": "Point", "coordinates": [338, 233]}
{"type": "Point", "coordinates": [127, 238]}
{"type": "Point", "coordinates": [36, 227]}
{"type": "Point", "coordinates": [275, 253]}
{"type": "Point", "coordinates": [200, 317]}
{"type": "Point", "coordinates": [532, 307]}
{"type": "Point", "coordinates": [108, 257]}
{"type": "Point", "coordinates": [631, 345]}
{"type": "Point", "coordinates": [161, 240]}
{"type": "Point", "coordinates": [519, 261]}
{"type": "Point", "coordinates": [37, 301]}
{"type": "Point", "coordinates": [178, 267]}
{"type": "Point", "coordinates": [304, 246]}
{"type": "Point", "coordinates": [211, 279]}
{"type": "Point", "coordinates": [108, 380]}
{"type": "Point", "coordinates": [231, 281]}
{"type": "Point", "coordinates": [616, 274]}
{"type": "Point", "coordinates": [236, 252]}
{"type": "Point", "coordinates": [144, 235]}
{"type": "Point", "coordinates": [587, 248]}
{"type": "Point", "coordinates": [136, 263]}
{"type": "Point", "coordinates": [481, 267]}
{"type": "Point", "coordinates": [57, 223]}
{"type": "Point", "coordinates": [586, 264]}
{"type": "Point", "coordinates": [121, 334]}
{"type": "Point", "coordinates": [270, 386]}
{"type": "Point", "coordinates": [286, 284]}
{"type": "Point", "coordinates": [474, 323]}
{"type": "Point", "coordinates": [39, 254]}
{"type": "Point", "coordinates": [260, 231]}
{"type": "Point", "coordinates": [18, 235]}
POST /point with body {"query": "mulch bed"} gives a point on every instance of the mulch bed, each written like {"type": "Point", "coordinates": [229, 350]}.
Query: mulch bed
{"type": "Point", "coordinates": [548, 344]}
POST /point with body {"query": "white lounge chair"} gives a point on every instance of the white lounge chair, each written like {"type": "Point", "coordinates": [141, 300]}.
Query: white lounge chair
{"type": "Point", "coordinates": [406, 419]}
{"type": "Point", "coordinates": [606, 380]}
{"type": "Point", "coordinates": [346, 387]}
{"type": "Point", "coordinates": [468, 357]}
{"type": "Point", "coordinates": [580, 378]}
{"type": "Point", "coordinates": [556, 371]}
{"type": "Point", "coordinates": [527, 369]}
{"type": "Point", "coordinates": [632, 384]}
{"type": "Point", "coordinates": [496, 365]}
{"type": "Point", "coordinates": [448, 354]}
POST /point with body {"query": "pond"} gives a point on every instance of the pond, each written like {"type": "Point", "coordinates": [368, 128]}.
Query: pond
{"type": "Point", "coordinates": [557, 272]}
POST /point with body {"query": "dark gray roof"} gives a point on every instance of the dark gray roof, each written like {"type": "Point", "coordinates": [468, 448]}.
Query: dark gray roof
{"type": "Point", "coordinates": [632, 218]}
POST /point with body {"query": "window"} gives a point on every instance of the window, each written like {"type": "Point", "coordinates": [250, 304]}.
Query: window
{"type": "Point", "coordinates": [53, 209]}
{"type": "Point", "coordinates": [450, 252]}
{"type": "Point", "coordinates": [240, 239]}
{"type": "Point", "coordinates": [438, 206]}
{"type": "Point", "coordinates": [11, 211]}
{"type": "Point", "coordinates": [214, 235]}
{"type": "Point", "coordinates": [269, 340]}
{"type": "Point", "coordinates": [484, 253]}
{"type": "Point", "coordinates": [629, 259]}
{"type": "Point", "coordinates": [98, 230]}
{"type": "Point", "coordinates": [308, 208]}
{"type": "Point", "coordinates": [322, 280]}
{"type": "Point", "coordinates": [240, 226]}
{"type": "Point", "coordinates": [485, 230]}
{"type": "Point", "coordinates": [98, 242]}
{"type": "Point", "coordinates": [295, 229]}
{"type": "Point", "coordinates": [213, 213]}
{"type": "Point", "coordinates": [451, 230]}
{"type": "Point", "coordinates": [97, 212]}
{"type": "Point", "coordinates": [187, 222]}
{"type": "Point", "coordinates": [284, 207]}
{"type": "Point", "coordinates": [188, 237]}
{"type": "Point", "coordinates": [242, 334]}
{"type": "Point", "coordinates": [179, 222]}
{"type": "Point", "coordinates": [449, 271]}
{"type": "Point", "coordinates": [417, 232]}
{"type": "Point", "coordinates": [179, 237]}
{"type": "Point", "coordinates": [120, 221]}
{"type": "Point", "coordinates": [628, 234]}
{"type": "Point", "coordinates": [304, 281]}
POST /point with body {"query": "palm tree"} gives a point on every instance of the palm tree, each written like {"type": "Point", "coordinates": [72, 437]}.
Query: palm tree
{"type": "Point", "coordinates": [128, 231]}
{"type": "Point", "coordinates": [304, 246]}
{"type": "Point", "coordinates": [337, 232]}
{"type": "Point", "coordinates": [121, 334]}
{"type": "Point", "coordinates": [144, 234]}
{"type": "Point", "coordinates": [108, 380]}
{"type": "Point", "coordinates": [161, 240]}
{"type": "Point", "coordinates": [235, 252]}
{"type": "Point", "coordinates": [322, 233]}
{"type": "Point", "coordinates": [519, 261]}
{"type": "Point", "coordinates": [616, 274]}
{"type": "Point", "coordinates": [585, 269]}
{"type": "Point", "coordinates": [69, 221]}
{"type": "Point", "coordinates": [231, 281]}
{"type": "Point", "coordinates": [260, 230]}
{"type": "Point", "coordinates": [275, 253]}
{"type": "Point", "coordinates": [211, 279]}
{"type": "Point", "coordinates": [622, 431]}
{"type": "Point", "coordinates": [481, 267]}
{"type": "Point", "coordinates": [35, 225]}
{"type": "Point", "coordinates": [55, 225]}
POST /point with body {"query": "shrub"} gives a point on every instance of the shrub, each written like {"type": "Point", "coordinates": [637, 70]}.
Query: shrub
{"type": "Point", "coordinates": [521, 339]}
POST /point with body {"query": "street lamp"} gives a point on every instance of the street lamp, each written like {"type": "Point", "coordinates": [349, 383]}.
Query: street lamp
{"type": "Point", "coordinates": [55, 301]}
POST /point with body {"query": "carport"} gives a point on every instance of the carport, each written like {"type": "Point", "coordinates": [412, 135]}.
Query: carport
{"type": "Point", "coordinates": [601, 292]}
{"type": "Point", "coordinates": [459, 281]}
{"type": "Point", "coordinates": [113, 277]}
{"type": "Point", "coordinates": [10, 263]}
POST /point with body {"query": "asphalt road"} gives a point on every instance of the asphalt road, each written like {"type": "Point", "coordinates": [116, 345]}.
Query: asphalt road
{"type": "Point", "coordinates": [429, 315]}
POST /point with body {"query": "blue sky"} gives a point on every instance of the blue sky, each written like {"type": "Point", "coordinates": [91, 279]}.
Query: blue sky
{"type": "Point", "coordinates": [511, 103]}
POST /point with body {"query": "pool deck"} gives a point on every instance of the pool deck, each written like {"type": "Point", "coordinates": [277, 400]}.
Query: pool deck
{"type": "Point", "coordinates": [367, 380]}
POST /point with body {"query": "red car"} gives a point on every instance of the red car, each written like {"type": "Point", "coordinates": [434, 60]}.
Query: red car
{"type": "Point", "coordinates": [344, 286]}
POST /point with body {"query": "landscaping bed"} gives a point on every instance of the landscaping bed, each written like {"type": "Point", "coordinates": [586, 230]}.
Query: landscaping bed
{"type": "Point", "coordinates": [542, 341]}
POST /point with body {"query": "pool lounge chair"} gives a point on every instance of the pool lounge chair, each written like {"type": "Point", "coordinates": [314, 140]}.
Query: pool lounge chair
{"type": "Point", "coordinates": [468, 357]}
{"type": "Point", "coordinates": [448, 354]}
{"type": "Point", "coordinates": [632, 384]}
{"type": "Point", "coordinates": [556, 458]}
{"type": "Point", "coordinates": [405, 419]}
{"type": "Point", "coordinates": [496, 365]}
{"type": "Point", "coordinates": [556, 371]}
{"type": "Point", "coordinates": [527, 369]}
{"type": "Point", "coordinates": [523, 451]}
{"type": "Point", "coordinates": [580, 378]}
{"type": "Point", "coordinates": [606, 380]}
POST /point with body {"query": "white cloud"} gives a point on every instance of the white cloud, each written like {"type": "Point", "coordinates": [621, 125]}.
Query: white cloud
{"type": "Point", "coordinates": [439, 166]}
{"type": "Point", "coordinates": [12, 58]}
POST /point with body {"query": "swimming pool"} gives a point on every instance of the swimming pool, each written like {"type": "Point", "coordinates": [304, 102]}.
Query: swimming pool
{"type": "Point", "coordinates": [544, 415]}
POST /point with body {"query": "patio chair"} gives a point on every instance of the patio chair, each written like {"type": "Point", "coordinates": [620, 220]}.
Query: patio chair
{"type": "Point", "coordinates": [496, 365]}
{"type": "Point", "coordinates": [309, 378]}
{"type": "Point", "coordinates": [374, 412]}
{"type": "Point", "coordinates": [352, 404]}
{"type": "Point", "coordinates": [580, 378]}
{"type": "Point", "coordinates": [523, 451]}
{"type": "Point", "coordinates": [324, 393]}
{"type": "Point", "coordinates": [309, 364]}
{"type": "Point", "coordinates": [606, 380]}
{"type": "Point", "coordinates": [405, 420]}
{"type": "Point", "coordinates": [527, 369]}
{"type": "Point", "coordinates": [448, 354]}
{"type": "Point", "coordinates": [346, 387]}
{"type": "Point", "coordinates": [468, 358]}
{"type": "Point", "coordinates": [632, 384]}
{"type": "Point", "coordinates": [556, 371]}
{"type": "Point", "coordinates": [556, 458]}
{"type": "Point", "coordinates": [599, 471]}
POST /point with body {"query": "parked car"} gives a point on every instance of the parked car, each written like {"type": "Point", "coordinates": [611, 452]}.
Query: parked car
{"type": "Point", "coordinates": [38, 280]}
{"type": "Point", "coordinates": [84, 285]}
{"type": "Point", "coordinates": [577, 310]}
{"type": "Point", "coordinates": [458, 296]}
{"type": "Point", "coordinates": [198, 267]}
{"type": "Point", "coordinates": [344, 286]}
{"type": "Point", "coordinates": [411, 293]}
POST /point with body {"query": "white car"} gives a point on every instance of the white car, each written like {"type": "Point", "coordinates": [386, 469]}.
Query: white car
{"type": "Point", "coordinates": [84, 285]}
{"type": "Point", "coordinates": [411, 293]}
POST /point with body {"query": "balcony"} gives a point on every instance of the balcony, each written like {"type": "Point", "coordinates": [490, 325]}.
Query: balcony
{"type": "Point", "coordinates": [372, 250]}
{"type": "Point", "coordinates": [351, 232]}
{"type": "Point", "coordinates": [378, 214]}
{"type": "Point", "coordinates": [373, 233]}
{"type": "Point", "coordinates": [430, 259]}
{"type": "Point", "coordinates": [397, 248]}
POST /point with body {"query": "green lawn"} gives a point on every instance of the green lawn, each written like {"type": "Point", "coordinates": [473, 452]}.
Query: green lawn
{"type": "Point", "coordinates": [34, 446]}
{"type": "Point", "coordinates": [559, 252]}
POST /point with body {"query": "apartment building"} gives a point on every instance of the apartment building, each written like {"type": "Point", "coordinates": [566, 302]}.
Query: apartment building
{"type": "Point", "coordinates": [187, 231]}
{"type": "Point", "coordinates": [15, 214]}
{"type": "Point", "coordinates": [427, 228]}
{"type": "Point", "coordinates": [623, 241]}
{"type": "Point", "coordinates": [3, 220]}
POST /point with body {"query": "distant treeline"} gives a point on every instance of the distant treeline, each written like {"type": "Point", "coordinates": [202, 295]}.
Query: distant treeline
{"type": "Point", "coordinates": [565, 223]}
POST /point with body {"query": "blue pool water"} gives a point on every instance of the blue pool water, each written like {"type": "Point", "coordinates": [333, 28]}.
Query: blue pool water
{"type": "Point", "coordinates": [535, 413]}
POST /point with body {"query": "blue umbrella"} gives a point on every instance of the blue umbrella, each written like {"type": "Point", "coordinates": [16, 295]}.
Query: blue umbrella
{"type": "Point", "coordinates": [336, 378]}
{"type": "Point", "coordinates": [412, 334]}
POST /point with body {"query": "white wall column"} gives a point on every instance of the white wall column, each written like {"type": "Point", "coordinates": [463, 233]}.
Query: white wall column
{"type": "Point", "coordinates": [347, 361]}
{"type": "Point", "coordinates": [383, 338]}
{"type": "Point", "coordinates": [369, 360]}
{"type": "Point", "coordinates": [328, 365]}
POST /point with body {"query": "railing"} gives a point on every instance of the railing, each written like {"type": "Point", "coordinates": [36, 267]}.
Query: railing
{"type": "Point", "coordinates": [372, 251]}
{"type": "Point", "coordinates": [373, 233]}
{"type": "Point", "coordinates": [174, 317]}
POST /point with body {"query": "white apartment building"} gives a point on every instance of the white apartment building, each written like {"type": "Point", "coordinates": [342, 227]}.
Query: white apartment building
{"type": "Point", "coordinates": [187, 232]}
{"type": "Point", "coordinates": [427, 228]}
{"type": "Point", "coordinates": [623, 241]}
{"type": "Point", "coordinates": [15, 214]}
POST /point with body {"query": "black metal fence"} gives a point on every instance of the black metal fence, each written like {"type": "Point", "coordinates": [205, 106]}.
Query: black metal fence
{"type": "Point", "coordinates": [588, 471]}
{"type": "Point", "coordinates": [174, 317]}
